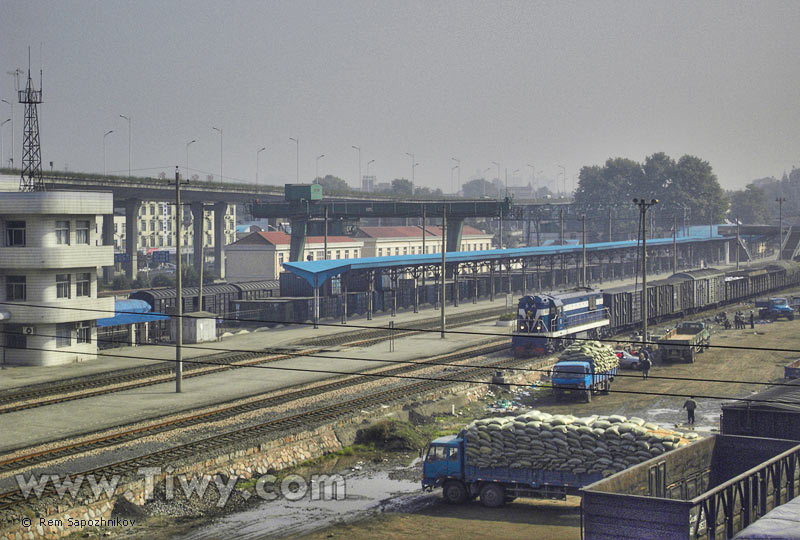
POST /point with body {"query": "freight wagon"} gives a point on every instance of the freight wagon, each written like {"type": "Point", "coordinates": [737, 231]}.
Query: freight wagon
{"type": "Point", "coordinates": [774, 412]}
{"type": "Point", "coordinates": [710, 489]}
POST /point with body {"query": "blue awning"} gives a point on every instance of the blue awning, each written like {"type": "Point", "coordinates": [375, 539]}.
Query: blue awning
{"type": "Point", "coordinates": [318, 272]}
{"type": "Point", "coordinates": [131, 312]}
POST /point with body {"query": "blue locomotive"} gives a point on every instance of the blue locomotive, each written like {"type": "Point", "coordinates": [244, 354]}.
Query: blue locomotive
{"type": "Point", "coordinates": [562, 316]}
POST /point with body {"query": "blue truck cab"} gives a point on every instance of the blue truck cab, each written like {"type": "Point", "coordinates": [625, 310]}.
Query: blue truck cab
{"type": "Point", "coordinates": [775, 308]}
{"type": "Point", "coordinates": [445, 467]}
{"type": "Point", "coordinates": [579, 378]}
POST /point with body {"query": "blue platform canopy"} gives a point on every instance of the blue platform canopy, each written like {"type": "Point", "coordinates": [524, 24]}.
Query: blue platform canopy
{"type": "Point", "coordinates": [318, 272]}
{"type": "Point", "coordinates": [131, 312]}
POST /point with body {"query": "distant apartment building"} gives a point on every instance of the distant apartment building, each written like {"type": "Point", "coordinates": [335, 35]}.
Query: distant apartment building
{"type": "Point", "coordinates": [261, 255]}
{"type": "Point", "coordinates": [386, 241]}
{"type": "Point", "coordinates": [156, 227]}
{"type": "Point", "coordinates": [50, 251]}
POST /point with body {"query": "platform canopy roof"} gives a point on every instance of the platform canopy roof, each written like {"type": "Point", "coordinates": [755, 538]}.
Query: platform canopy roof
{"type": "Point", "coordinates": [131, 312]}
{"type": "Point", "coordinates": [318, 272]}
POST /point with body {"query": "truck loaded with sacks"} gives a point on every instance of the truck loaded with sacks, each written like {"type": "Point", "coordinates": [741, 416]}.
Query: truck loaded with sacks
{"type": "Point", "coordinates": [540, 455]}
{"type": "Point", "coordinates": [583, 369]}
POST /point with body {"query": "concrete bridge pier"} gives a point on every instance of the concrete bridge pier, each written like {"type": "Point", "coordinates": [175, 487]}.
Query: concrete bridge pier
{"type": "Point", "coordinates": [131, 265]}
{"type": "Point", "coordinates": [108, 240]}
{"type": "Point", "coordinates": [219, 238]}
{"type": "Point", "coordinates": [198, 233]}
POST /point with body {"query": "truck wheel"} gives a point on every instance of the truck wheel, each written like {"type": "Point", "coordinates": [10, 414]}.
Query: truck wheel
{"type": "Point", "coordinates": [493, 495]}
{"type": "Point", "coordinates": [454, 492]}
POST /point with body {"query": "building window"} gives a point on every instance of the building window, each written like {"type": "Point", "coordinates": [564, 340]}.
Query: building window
{"type": "Point", "coordinates": [84, 332]}
{"type": "Point", "coordinates": [62, 233]}
{"type": "Point", "coordinates": [15, 233]}
{"type": "Point", "coordinates": [380, 252]}
{"type": "Point", "coordinates": [83, 284]}
{"type": "Point", "coordinates": [338, 254]}
{"type": "Point", "coordinates": [280, 258]}
{"type": "Point", "coordinates": [329, 256]}
{"type": "Point", "coordinates": [405, 251]}
{"type": "Point", "coordinates": [81, 232]}
{"type": "Point", "coordinates": [16, 288]}
{"type": "Point", "coordinates": [15, 339]}
{"type": "Point", "coordinates": [64, 335]}
{"type": "Point", "coordinates": [347, 254]}
{"type": "Point", "coordinates": [320, 255]}
{"type": "Point", "coordinates": [397, 251]}
{"type": "Point", "coordinates": [62, 286]}
{"type": "Point", "coordinates": [355, 254]}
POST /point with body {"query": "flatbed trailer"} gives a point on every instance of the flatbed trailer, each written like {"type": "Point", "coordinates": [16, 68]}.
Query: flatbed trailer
{"type": "Point", "coordinates": [708, 490]}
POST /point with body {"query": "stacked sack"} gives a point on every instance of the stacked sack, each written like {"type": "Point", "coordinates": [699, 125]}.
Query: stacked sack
{"type": "Point", "coordinates": [603, 355]}
{"type": "Point", "coordinates": [538, 440]}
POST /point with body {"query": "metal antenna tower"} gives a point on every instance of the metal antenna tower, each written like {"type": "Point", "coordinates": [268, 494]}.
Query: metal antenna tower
{"type": "Point", "coordinates": [31, 177]}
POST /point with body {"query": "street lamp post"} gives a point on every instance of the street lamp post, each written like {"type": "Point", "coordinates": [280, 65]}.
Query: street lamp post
{"type": "Point", "coordinates": [413, 166]}
{"type": "Point", "coordinates": [358, 180]}
{"type": "Point", "coordinates": [128, 118]}
{"type": "Point", "coordinates": [106, 134]}
{"type": "Point", "coordinates": [257, 153]}
{"type": "Point", "coordinates": [533, 181]}
{"type": "Point", "coordinates": [319, 157]}
{"type": "Point", "coordinates": [10, 106]}
{"type": "Point", "coordinates": [780, 201]}
{"type": "Point", "coordinates": [643, 206]}
{"type": "Point", "coordinates": [2, 148]}
{"type": "Point", "coordinates": [188, 144]}
{"type": "Point", "coordinates": [220, 151]}
{"type": "Point", "coordinates": [297, 142]}
{"type": "Point", "coordinates": [564, 173]}
{"type": "Point", "coordinates": [458, 166]}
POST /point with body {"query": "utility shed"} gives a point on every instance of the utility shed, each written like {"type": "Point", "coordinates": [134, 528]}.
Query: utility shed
{"type": "Point", "coordinates": [707, 490]}
{"type": "Point", "coordinates": [774, 412]}
{"type": "Point", "coordinates": [198, 327]}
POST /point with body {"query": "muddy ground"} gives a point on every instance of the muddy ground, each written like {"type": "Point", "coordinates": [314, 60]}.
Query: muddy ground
{"type": "Point", "coordinates": [386, 501]}
{"type": "Point", "coordinates": [561, 520]}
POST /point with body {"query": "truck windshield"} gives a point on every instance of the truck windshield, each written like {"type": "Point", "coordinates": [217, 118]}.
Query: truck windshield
{"type": "Point", "coordinates": [779, 301]}
{"type": "Point", "coordinates": [436, 453]}
{"type": "Point", "coordinates": [569, 372]}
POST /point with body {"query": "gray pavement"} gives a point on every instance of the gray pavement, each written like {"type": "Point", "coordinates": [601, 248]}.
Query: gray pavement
{"type": "Point", "coordinates": [42, 424]}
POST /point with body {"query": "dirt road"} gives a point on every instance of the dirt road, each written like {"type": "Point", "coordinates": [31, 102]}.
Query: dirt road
{"type": "Point", "coordinates": [631, 395]}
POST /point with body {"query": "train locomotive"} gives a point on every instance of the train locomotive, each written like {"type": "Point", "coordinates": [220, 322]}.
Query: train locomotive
{"type": "Point", "coordinates": [590, 314]}
{"type": "Point", "coordinates": [561, 315]}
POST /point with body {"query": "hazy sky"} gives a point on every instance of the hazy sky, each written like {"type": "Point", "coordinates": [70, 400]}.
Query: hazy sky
{"type": "Point", "coordinates": [541, 83]}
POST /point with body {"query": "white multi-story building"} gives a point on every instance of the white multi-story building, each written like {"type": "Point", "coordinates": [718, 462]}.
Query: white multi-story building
{"type": "Point", "coordinates": [261, 255]}
{"type": "Point", "coordinates": [156, 227]}
{"type": "Point", "coordinates": [50, 251]}
{"type": "Point", "coordinates": [385, 241]}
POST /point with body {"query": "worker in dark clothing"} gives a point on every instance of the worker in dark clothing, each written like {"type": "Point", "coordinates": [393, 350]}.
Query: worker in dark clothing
{"type": "Point", "coordinates": [690, 406]}
{"type": "Point", "coordinates": [646, 365]}
{"type": "Point", "coordinates": [752, 320]}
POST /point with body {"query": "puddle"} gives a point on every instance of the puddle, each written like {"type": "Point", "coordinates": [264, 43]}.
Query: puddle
{"type": "Point", "coordinates": [365, 492]}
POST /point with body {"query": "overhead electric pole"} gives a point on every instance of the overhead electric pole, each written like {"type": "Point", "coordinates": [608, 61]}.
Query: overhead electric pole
{"type": "Point", "coordinates": [643, 206]}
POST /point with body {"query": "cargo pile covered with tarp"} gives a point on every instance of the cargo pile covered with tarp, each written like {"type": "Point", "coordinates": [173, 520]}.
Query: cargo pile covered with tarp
{"type": "Point", "coordinates": [602, 355]}
{"type": "Point", "coordinates": [538, 440]}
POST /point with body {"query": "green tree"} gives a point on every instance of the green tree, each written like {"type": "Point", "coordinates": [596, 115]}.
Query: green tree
{"type": "Point", "coordinates": [479, 187]}
{"type": "Point", "coordinates": [121, 283]}
{"type": "Point", "coordinates": [749, 205]}
{"type": "Point", "coordinates": [163, 280]}
{"type": "Point", "coordinates": [332, 184]}
{"type": "Point", "coordinates": [402, 187]}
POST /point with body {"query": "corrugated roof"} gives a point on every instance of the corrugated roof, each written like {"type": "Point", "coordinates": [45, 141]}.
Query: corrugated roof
{"type": "Point", "coordinates": [412, 231]}
{"type": "Point", "coordinates": [130, 312]}
{"type": "Point", "coordinates": [788, 395]}
{"type": "Point", "coordinates": [261, 284]}
{"type": "Point", "coordinates": [321, 271]}
{"type": "Point", "coordinates": [279, 238]}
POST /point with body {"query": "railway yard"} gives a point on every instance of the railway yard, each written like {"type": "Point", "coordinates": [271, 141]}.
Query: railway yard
{"type": "Point", "coordinates": [248, 410]}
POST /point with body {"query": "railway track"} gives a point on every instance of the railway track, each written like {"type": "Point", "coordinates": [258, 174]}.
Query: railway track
{"type": "Point", "coordinates": [95, 443]}
{"type": "Point", "coordinates": [314, 416]}
{"type": "Point", "coordinates": [49, 394]}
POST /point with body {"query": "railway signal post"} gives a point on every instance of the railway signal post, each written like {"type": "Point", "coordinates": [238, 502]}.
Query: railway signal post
{"type": "Point", "coordinates": [643, 206]}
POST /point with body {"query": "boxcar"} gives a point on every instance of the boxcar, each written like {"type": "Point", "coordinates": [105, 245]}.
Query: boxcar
{"type": "Point", "coordinates": [707, 287]}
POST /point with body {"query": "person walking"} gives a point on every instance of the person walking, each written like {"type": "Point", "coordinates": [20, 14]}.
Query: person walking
{"type": "Point", "coordinates": [646, 365]}
{"type": "Point", "coordinates": [752, 320]}
{"type": "Point", "coordinates": [690, 406]}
